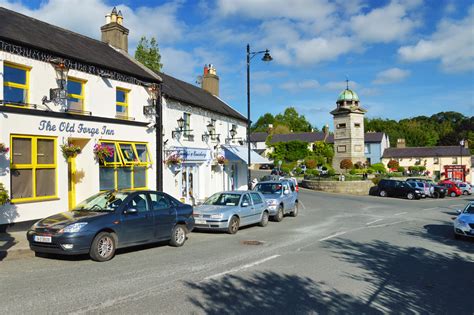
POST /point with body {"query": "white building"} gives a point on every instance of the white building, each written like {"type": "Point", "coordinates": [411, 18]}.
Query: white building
{"type": "Point", "coordinates": [62, 88]}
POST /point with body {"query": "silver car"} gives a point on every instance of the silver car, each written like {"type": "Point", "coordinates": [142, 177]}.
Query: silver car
{"type": "Point", "coordinates": [464, 223]}
{"type": "Point", "coordinates": [281, 197]}
{"type": "Point", "coordinates": [230, 210]}
{"type": "Point", "coordinates": [465, 188]}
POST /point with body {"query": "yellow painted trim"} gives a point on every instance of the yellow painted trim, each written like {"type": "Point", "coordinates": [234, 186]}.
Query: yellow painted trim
{"type": "Point", "coordinates": [123, 104]}
{"type": "Point", "coordinates": [81, 96]}
{"type": "Point", "coordinates": [25, 86]}
{"type": "Point", "coordinates": [34, 166]}
{"type": "Point", "coordinates": [72, 183]}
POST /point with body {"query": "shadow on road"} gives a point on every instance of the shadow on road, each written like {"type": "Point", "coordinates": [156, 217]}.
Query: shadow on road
{"type": "Point", "coordinates": [409, 279]}
{"type": "Point", "coordinates": [271, 293]}
{"type": "Point", "coordinates": [6, 242]}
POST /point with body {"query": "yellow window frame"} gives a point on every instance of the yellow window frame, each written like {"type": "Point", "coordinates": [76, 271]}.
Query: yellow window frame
{"type": "Point", "coordinates": [25, 86]}
{"type": "Point", "coordinates": [133, 145]}
{"type": "Point", "coordinates": [123, 104]}
{"type": "Point", "coordinates": [81, 96]}
{"type": "Point", "coordinates": [35, 166]}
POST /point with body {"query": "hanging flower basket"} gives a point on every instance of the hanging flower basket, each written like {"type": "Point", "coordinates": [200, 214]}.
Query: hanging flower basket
{"type": "Point", "coordinates": [4, 149]}
{"type": "Point", "coordinates": [102, 152]}
{"type": "Point", "coordinates": [221, 160]}
{"type": "Point", "coordinates": [70, 150]}
{"type": "Point", "coordinates": [4, 197]}
{"type": "Point", "coordinates": [173, 159]}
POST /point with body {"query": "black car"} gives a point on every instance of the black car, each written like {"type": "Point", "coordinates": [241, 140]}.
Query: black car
{"type": "Point", "coordinates": [437, 191]}
{"type": "Point", "coordinates": [110, 220]}
{"type": "Point", "coordinates": [396, 188]}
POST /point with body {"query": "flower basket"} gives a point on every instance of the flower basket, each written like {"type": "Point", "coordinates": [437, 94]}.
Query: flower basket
{"type": "Point", "coordinates": [173, 160]}
{"type": "Point", "coordinates": [4, 197]}
{"type": "Point", "coordinates": [70, 150]}
{"type": "Point", "coordinates": [221, 160]}
{"type": "Point", "coordinates": [102, 152]}
{"type": "Point", "coordinates": [4, 149]}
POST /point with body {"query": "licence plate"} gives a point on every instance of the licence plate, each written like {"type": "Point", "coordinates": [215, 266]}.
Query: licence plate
{"type": "Point", "coordinates": [42, 239]}
{"type": "Point", "coordinates": [199, 221]}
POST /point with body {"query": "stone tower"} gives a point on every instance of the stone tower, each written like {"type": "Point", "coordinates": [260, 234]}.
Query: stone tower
{"type": "Point", "coordinates": [348, 129]}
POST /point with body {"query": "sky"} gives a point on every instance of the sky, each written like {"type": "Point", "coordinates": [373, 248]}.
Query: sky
{"type": "Point", "coordinates": [404, 58]}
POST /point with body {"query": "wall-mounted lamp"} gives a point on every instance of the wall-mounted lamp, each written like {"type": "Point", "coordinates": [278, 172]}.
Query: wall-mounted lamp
{"type": "Point", "coordinates": [177, 133]}
{"type": "Point", "coordinates": [211, 133]}
{"type": "Point", "coordinates": [233, 133]}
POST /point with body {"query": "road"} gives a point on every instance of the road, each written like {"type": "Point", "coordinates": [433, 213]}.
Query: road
{"type": "Point", "coordinates": [342, 254]}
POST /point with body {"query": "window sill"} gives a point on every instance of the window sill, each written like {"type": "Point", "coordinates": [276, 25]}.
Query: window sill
{"type": "Point", "coordinates": [29, 200]}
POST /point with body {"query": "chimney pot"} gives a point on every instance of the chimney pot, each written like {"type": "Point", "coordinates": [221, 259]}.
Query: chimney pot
{"type": "Point", "coordinates": [113, 32]}
{"type": "Point", "coordinates": [210, 80]}
{"type": "Point", "coordinates": [401, 143]}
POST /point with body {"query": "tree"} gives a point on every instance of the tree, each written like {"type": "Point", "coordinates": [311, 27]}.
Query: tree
{"type": "Point", "coordinates": [392, 164]}
{"type": "Point", "coordinates": [324, 151]}
{"type": "Point", "coordinates": [346, 164]}
{"type": "Point", "coordinates": [261, 125]}
{"type": "Point", "coordinates": [295, 121]}
{"type": "Point", "coordinates": [148, 54]}
{"type": "Point", "coordinates": [289, 151]}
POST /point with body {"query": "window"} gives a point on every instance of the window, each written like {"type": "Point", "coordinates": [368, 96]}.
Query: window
{"type": "Point", "coordinates": [357, 125]}
{"type": "Point", "coordinates": [436, 160]}
{"type": "Point", "coordinates": [256, 199]}
{"type": "Point", "coordinates": [138, 202]}
{"type": "Point", "coordinates": [15, 84]}
{"type": "Point", "coordinates": [341, 126]}
{"type": "Point", "coordinates": [126, 168]}
{"type": "Point", "coordinates": [33, 168]}
{"type": "Point", "coordinates": [75, 94]}
{"type": "Point", "coordinates": [341, 148]}
{"type": "Point", "coordinates": [455, 160]}
{"type": "Point", "coordinates": [367, 148]}
{"type": "Point", "coordinates": [121, 103]}
{"type": "Point", "coordinates": [159, 202]}
{"type": "Point", "coordinates": [246, 199]}
{"type": "Point", "coordinates": [187, 124]}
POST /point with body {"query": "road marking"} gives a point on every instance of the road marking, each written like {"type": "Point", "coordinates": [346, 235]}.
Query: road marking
{"type": "Point", "coordinates": [429, 209]}
{"type": "Point", "coordinates": [255, 263]}
{"type": "Point", "coordinates": [302, 204]}
{"type": "Point", "coordinates": [386, 224]}
{"type": "Point", "coordinates": [400, 213]}
{"type": "Point", "coordinates": [332, 236]}
{"type": "Point", "coordinates": [374, 221]}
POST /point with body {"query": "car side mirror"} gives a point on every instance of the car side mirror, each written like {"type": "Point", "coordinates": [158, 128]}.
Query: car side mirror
{"type": "Point", "coordinates": [458, 211]}
{"type": "Point", "coordinates": [131, 211]}
{"type": "Point", "coordinates": [286, 192]}
{"type": "Point", "coordinates": [245, 204]}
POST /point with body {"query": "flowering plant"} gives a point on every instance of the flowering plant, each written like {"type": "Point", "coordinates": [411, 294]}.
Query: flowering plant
{"type": "Point", "coordinates": [102, 152]}
{"type": "Point", "coordinates": [221, 160]}
{"type": "Point", "coordinates": [4, 149]}
{"type": "Point", "coordinates": [173, 159]}
{"type": "Point", "coordinates": [70, 150]}
{"type": "Point", "coordinates": [4, 197]}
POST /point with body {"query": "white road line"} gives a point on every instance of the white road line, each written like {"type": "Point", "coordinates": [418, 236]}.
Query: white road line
{"type": "Point", "coordinates": [429, 209]}
{"type": "Point", "coordinates": [255, 263]}
{"type": "Point", "coordinates": [302, 204]}
{"type": "Point", "coordinates": [332, 236]}
{"type": "Point", "coordinates": [368, 223]}
{"type": "Point", "coordinates": [386, 224]}
{"type": "Point", "coordinates": [400, 213]}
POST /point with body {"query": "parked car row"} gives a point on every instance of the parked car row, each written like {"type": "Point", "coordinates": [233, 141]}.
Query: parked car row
{"type": "Point", "coordinates": [464, 222]}
{"type": "Point", "coordinates": [110, 220]}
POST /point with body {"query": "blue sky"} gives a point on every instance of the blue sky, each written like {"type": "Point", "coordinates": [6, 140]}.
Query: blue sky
{"type": "Point", "coordinates": [403, 57]}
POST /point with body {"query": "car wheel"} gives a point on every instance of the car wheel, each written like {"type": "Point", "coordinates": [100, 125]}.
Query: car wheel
{"type": "Point", "coordinates": [465, 193]}
{"type": "Point", "coordinates": [103, 247]}
{"type": "Point", "coordinates": [410, 196]}
{"type": "Point", "coordinates": [279, 216]}
{"type": "Point", "coordinates": [436, 195]}
{"type": "Point", "coordinates": [264, 220]}
{"type": "Point", "coordinates": [233, 225]}
{"type": "Point", "coordinates": [178, 236]}
{"type": "Point", "coordinates": [452, 194]}
{"type": "Point", "coordinates": [383, 193]}
{"type": "Point", "coordinates": [294, 213]}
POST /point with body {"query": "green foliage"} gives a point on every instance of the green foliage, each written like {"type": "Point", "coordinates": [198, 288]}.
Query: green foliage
{"type": "Point", "coordinates": [353, 171]}
{"type": "Point", "coordinates": [148, 54]}
{"type": "Point", "coordinates": [312, 172]}
{"type": "Point", "coordinates": [4, 197]}
{"type": "Point", "coordinates": [379, 167]}
{"type": "Point", "coordinates": [261, 125]}
{"type": "Point", "coordinates": [445, 128]}
{"type": "Point", "coordinates": [376, 180]}
{"type": "Point", "coordinates": [310, 163]}
{"type": "Point", "coordinates": [400, 169]}
{"type": "Point", "coordinates": [289, 118]}
{"type": "Point", "coordinates": [289, 151]}
{"type": "Point", "coordinates": [324, 151]}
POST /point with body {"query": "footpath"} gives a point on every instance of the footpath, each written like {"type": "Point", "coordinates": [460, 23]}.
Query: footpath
{"type": "Point", "coordinates": [14, 245]}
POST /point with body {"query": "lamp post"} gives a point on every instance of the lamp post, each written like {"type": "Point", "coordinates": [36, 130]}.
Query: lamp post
{"type": "Point", "coordinates": [461, 145]}
{"type": "Point", "coordinates": [266, 58]}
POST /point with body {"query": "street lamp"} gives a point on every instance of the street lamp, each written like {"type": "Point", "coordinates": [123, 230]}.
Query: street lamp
{"type": "Point", "coordinates": [266, 58]}
{"type": "Point", "coordinates": [461, 146]}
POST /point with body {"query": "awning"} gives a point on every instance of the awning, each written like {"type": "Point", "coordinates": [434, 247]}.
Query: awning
{"type": "Point", "coordinates": [240, 153]}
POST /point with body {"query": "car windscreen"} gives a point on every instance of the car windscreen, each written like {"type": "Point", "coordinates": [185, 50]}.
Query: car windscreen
{"type": "Point", "coordinates": [469, 209]}
{"type": "Point", "coordinates": [269, 188]}
{"type": "Point", "coordinates": [106, 201]}
{"type": "Point", "coordinates": [223, 199]}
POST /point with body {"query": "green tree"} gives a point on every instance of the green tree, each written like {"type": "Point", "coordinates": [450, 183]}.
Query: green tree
{"type": "Point", "coordinates": [148, 54]}
{"type": "Point", "coordinates": [323, 151]}
{"type": "Point", "coordinates": [294, 121]}
{"type": "Point", "coordinates": [261, 125]}
{"type": "Point", "coordinates": [289, 151]}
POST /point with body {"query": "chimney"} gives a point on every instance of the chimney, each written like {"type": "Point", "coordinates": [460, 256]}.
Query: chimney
{"type": "Point", "coordinates": [400, 143]}
{"type": "Point", "coordinates": [113, 32]}
{"type": "Point", "coordinates": [210, 80]}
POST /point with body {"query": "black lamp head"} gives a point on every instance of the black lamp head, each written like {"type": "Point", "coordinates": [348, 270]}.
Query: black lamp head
{"type": "Point", "coordinates": [181, 123]}
{"type": "Point", "coordinates": [267, 57]}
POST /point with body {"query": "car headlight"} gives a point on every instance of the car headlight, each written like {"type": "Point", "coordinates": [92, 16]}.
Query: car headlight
{"type": "Point", "coordinates": [34, 226]}
{"type": "Point", "coordinates": [217, 216]}
{"type": "Point", "coordinates": [271, 202]}
{"type": "Point", "coordinates": [73, 228]}
{"type": "Point", "coordinates": [461, 222]}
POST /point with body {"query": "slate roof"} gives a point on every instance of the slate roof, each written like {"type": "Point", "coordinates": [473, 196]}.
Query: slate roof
{"type": "Point", "coordinates": [258, 136]}
{"type": "Point", "coordinates": [23, 30]}
{"type": "Point", "coordinates": [425, 152]}
{"type": "Point", "coordinates": [193, 95]}
{"type": "Point", "coordinates": [312, 137]}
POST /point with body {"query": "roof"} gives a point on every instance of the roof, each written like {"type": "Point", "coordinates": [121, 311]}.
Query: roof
{"type": "Point", "coordinates": [258, 136]}
{"type": "Point", "coordinates": [193, 95]}
{"type": "Point", "coordinates": [319, 136]}
{"type": "Point", "coordinates": [26, 31]}
{"type": "Point", "coordinates": [425, 152]}
{"type": "Point", "coordinates": [373, 136]}
{"type": "Point", "coordinates": [348, 95]}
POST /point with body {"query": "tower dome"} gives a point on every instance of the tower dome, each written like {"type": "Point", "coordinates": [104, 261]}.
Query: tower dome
{"type": "Point", "coordinates": [348, 95]}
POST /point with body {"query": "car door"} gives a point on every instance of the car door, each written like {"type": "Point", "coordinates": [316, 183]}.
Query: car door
{"type": "Point", "coordinates": [246, 212]}
{"type": "Point", "coordinates": [164, 213]}
{"type": "Point", "coordinates": [286, 197]}
{"type": "Point", "coordinates": [137, 225]}
{"type": "Point", "coordinates": [258, 207]}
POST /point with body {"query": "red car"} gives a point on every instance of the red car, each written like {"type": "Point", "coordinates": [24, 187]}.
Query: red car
{"type": "Point", "coordinates": [451, 188]}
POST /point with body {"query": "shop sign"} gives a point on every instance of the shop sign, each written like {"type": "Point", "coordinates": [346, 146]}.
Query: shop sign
{"type": "Point", "coordinates": [81, 128]}
{"type": "Point", "coordinates": [191, 154]}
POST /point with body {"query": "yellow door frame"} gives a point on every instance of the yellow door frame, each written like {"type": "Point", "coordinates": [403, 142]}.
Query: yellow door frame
{"type": "Point", "coordinates": [71, 162]}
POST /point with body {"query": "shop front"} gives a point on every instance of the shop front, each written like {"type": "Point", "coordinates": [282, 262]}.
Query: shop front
{"type": "Point", "coordinates": [455, 172]}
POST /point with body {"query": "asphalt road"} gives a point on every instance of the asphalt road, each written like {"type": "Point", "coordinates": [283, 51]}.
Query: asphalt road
{"type": "Point", "coordinates": [342, 254]}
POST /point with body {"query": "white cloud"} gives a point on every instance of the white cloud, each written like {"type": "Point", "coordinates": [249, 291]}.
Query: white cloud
{"type": "Point", "coordinates": [180, 64]}
{"type": "Point", "coordinates": [452, 44]}
{"type": "Point", "coordinates": [390, 23]}
{"type": "Point", "coordinates": [391, 75]}
{"type": "Point", "coordinates": [294, 87]}
{"type": "Point", "coordinates": [261, 88]}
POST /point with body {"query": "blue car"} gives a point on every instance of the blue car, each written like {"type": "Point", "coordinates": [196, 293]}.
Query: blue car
{"type": "Point", "coordinates": [111, 220]}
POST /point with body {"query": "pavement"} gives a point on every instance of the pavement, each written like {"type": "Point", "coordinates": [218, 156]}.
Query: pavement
{"type": "Point", "coordinates": [13, 245]}
{"type": "Point", "coordinates": [342, 254]}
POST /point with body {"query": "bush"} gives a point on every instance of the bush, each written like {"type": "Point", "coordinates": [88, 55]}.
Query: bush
{"type": "Point", "coordinates": [310, 163]}
{"type": "Point", "coordinates": [312, 172]}
{"type": "Point", "coordinates": [400, 169]}
{"type": "Point", "coordinates": [331, 172]}
{"type": "Point", "coordinates": [346, 164]}
{"type": "Point", "coordinates": [4, 197]}
{"type": "Point", "coordinates": [379, 167]}
{"type": "Point", "coordinates": [376, 180]}
{"type": "Point", "coordinates": [359, 165]}
{"type": "Point", "coordinates": [392, 164]}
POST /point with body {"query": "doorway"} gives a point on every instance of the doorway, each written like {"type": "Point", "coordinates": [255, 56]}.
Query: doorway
{"type": "Point", "coordinates": [189, 183]}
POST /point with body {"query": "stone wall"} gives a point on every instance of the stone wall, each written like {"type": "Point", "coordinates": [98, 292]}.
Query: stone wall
{"type": "Point", "coordinates": [359, 187]}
